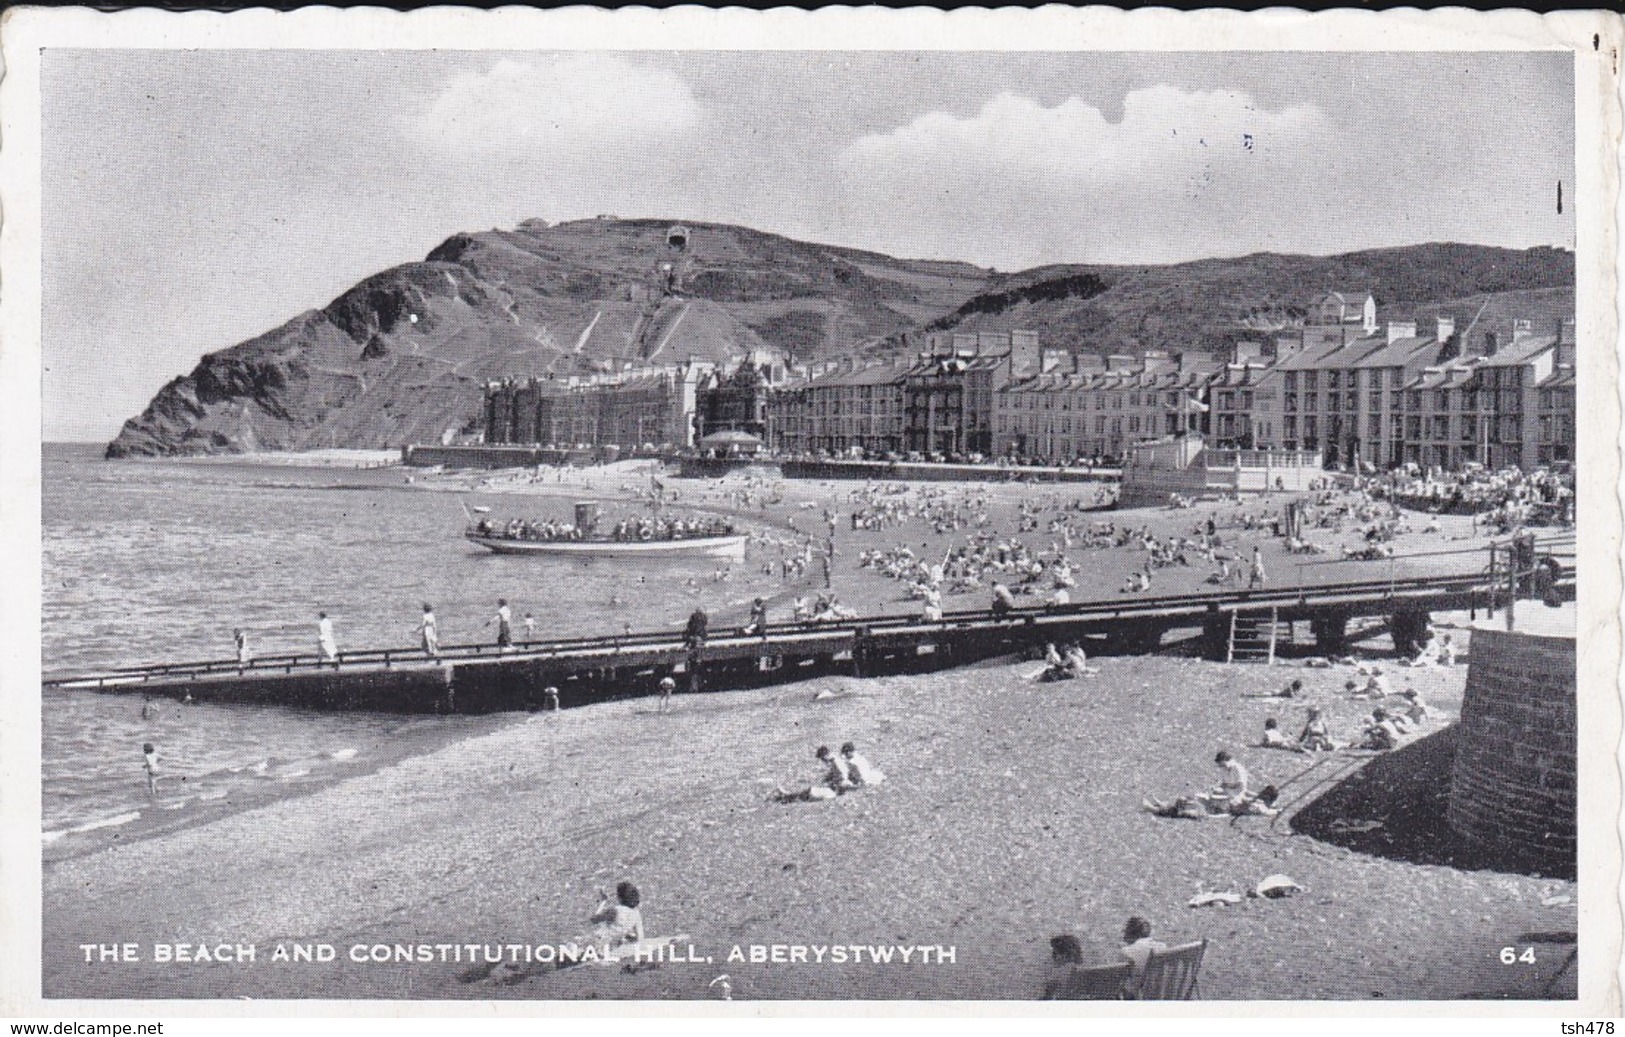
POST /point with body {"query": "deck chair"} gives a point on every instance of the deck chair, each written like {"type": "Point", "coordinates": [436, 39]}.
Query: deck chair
{"type": "Point", "coordinates": [1171, 975]}
{"type": "Point", "coordinates": [1093, 983]}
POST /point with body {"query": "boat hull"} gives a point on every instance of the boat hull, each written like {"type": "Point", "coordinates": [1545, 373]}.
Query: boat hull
{"type": "Point", "coordinates": [732, 546]}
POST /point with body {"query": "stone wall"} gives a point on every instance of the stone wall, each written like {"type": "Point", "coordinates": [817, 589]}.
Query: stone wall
{"type": "Point", "coordinates": [1513, 784]}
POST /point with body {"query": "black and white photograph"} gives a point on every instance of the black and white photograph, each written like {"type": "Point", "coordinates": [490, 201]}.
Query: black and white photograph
{"type": "Point", "coordinates": [1003, 509]}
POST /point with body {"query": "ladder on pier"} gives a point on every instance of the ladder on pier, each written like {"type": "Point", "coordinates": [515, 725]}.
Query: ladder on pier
{"type": "Point", "coordinates": [1254, 637]}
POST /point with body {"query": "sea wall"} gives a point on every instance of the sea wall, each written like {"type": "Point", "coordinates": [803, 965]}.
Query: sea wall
{"type": "Point", "coordinates": [1513, 783]}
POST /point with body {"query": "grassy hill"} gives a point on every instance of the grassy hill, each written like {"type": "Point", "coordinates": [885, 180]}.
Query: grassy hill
{"type": "Point", "coordinates": [403, 355]}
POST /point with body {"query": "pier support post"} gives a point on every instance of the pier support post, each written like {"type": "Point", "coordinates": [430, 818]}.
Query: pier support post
{"type": "Point", "coordinates": [1409, 630]}
{"type": "Point", "coordinates": [1215, 634]}
{"type": "Point", "coordinates": [1331, 632]}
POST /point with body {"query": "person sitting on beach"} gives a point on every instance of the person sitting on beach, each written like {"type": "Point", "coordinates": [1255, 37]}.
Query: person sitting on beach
{"type": "Point", "coordinates": [1077, 663]}
{"type": "Point", "coordinates": [617, 921]}
{"type": "Point", "coordinates": [1234, 777]}
{"type": "Point", "coordinates": [1273, 738]}
{"type": "Point", "coordinates": [1414, 709]}
{"type": "Point", "coordinates": [859, 770]}
{"type": "Point", "coordinates": [1380, 734]}
{"type": "Point", "coordinates": [1315, 737]}
{"type": "Point", "coordinates": [834, 782]}
{"type": "Point", "coordinates": [1260, 805]}
{"type": "Point", "coordinates": [1055, 668]}
{"type": "Point", "coordinates": [1065, 954]}
{"type": "Point", "coordinates": [1138, 946]}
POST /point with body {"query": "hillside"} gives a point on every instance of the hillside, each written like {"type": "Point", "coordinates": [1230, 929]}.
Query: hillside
{"type": "Point", "coordinates": [402, 356]}
{"type": "Point", "coordinates": [1202, 304]}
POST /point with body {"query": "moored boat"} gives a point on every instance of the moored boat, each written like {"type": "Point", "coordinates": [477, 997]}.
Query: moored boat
{"type": "Point", "coordinates": [731, 545]}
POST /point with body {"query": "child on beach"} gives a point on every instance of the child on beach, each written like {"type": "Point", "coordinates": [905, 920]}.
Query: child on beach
{"type": "Point", "coordinates": [149, 763]}
{"type": "Point", "coordinates": [667, 686]}
{"type": "Point", "coordinates": [1273, 738]}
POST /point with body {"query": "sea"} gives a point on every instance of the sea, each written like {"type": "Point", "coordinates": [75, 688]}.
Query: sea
{"type": "Point", "coordinates": [157, 560]}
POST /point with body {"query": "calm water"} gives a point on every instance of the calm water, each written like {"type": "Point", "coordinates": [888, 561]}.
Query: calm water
{"type": "Point", "coordinates": [148, 561]}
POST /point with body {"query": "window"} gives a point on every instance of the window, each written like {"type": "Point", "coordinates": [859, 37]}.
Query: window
{"type": "Point", "coordinates": [1441, 401]}
{"type": "Point", "coordinates": [1227, 400]}
{"type": "Point", "coordinates": [1311, 401]}
{"type": "Point", "coordinates": [1332, 379]}
{"type": "Point", "coordinates": [1100, 426]}
{"type": "Point", "coordinates": [1246, 401]}
{"type": "Point", "coordinates": [1309, 380]}
{"type": "Point", "coordinates": [1291, 402]}
{"type": "Point", "coordinates": [1291, 381]}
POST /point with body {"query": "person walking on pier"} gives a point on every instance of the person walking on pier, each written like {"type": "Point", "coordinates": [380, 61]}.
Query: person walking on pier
{"type": "Point", "coordinates": [430, 630]}
{"type": "Point", "coordinates": [1256, 577]}
{"type": "Point", "coordinates": [325, 641]}
{"type": "Point", "coordinates": [244, 656]}
{"type": "Point", "coordinates": [504, 621]}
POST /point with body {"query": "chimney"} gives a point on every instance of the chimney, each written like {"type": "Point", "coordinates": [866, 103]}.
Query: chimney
{"type": "Point", "coordinates": [848, 364]}
{"type": "Point", "coordinates": [1522, 329]}
{"type": "Point", "coordinates": [1492, 342]}
{"type": "Point", "coordinates": [1445, 327]}
{"type": "Point", "coordinates": [1119, 362]}
{"type": "Point", "coordinates": [1398, 329]}
{"type": "Point", "coordinates": [1565, 331]}
{"type": "Point", "coordinates": [1053, 359]}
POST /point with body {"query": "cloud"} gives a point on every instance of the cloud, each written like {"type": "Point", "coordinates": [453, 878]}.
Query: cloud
{"type": "Point", "coordinates": [572, 103]}
{"type": "Point", "coordinates": [1068, 181]}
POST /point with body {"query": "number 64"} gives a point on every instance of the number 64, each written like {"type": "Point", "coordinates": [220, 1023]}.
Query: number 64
{"type": "Point", "coordinates": [1510, 956]}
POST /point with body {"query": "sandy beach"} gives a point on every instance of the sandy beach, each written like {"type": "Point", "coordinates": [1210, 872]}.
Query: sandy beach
{"type": "Point", "coordinates": [1011, 813]}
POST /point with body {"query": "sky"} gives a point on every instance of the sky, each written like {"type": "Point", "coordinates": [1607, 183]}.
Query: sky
{"type": "Point", "coordinates": [193, 199]}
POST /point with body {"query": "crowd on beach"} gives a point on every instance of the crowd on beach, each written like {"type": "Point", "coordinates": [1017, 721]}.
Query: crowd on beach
{"type": "Point", "coordinates": [1501, 500]}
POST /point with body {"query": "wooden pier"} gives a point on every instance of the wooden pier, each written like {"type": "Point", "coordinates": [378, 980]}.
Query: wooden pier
{"type": "Point", "coordinates": [484, 679]}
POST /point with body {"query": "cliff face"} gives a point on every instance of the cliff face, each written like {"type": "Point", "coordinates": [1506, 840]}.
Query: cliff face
{"type": "Point", "coordinates": [402, 356]}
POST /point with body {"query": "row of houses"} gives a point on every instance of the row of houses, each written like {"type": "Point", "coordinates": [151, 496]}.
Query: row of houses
{"type": "Point", "coordinates": [1342, 385]}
